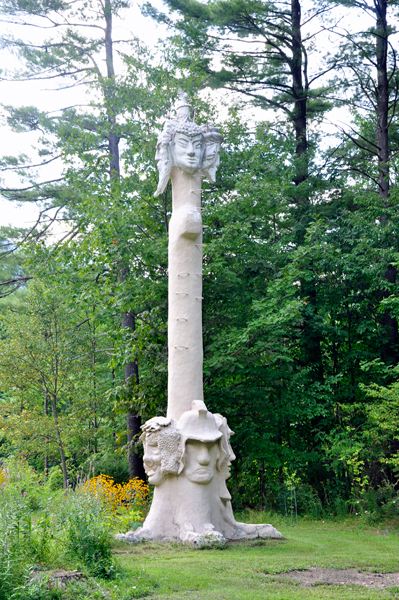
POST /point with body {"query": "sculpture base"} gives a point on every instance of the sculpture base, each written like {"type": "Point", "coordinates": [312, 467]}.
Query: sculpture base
{"type": "Point", "coordinates": [188, 462]}
{"type": "Point", "coordinates": [206, 537]}
{"type": "Point", "coordinates": [186, 512]}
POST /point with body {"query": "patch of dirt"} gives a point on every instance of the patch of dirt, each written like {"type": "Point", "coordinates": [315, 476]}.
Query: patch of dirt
{"type": "Point", "coordinates": [319, 576]}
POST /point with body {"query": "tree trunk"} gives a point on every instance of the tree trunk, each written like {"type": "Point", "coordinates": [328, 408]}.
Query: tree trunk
{"type": "Point", "coordinates": [94, 375]}
{"type": "Point", "coordinates": [46, 442]}
{"type": "Point", "coordinates": [311, 338]}
{"type": "Point", "coordinates": [113, 139]}
{"type": "Point", "coordinates": [382, 97]}
{"type": "Point", "coordinates": [300, 97]}
{"type": "Point", "coordinates": [133, 420]}
{"type": "Point", "coordinates": [390, 323]}
{"type": "Point", "coordinates": [59, 441]}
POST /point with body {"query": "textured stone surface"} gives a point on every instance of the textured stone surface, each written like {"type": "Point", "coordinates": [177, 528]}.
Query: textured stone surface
{"type": "Point", "coordinates": [185, 354]}
{"type": "Point", "coordinates": [194, 505]}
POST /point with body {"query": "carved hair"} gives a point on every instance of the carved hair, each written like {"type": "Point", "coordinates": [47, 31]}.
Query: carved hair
{"type": "Point", "coordinates": [212, 134]}
{"type": "Point", "coordinates": [189, 129]}
{"type": "Point", "coordinates": [164, 434]}
{"type": "Point", "coordinates": [169, 446]}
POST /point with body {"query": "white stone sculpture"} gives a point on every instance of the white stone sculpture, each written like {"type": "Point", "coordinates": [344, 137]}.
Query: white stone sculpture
{"type": "Point", "coordinates": [187, 455]}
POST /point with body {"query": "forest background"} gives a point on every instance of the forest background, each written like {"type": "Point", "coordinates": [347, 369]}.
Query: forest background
{"type": "Point", "coordinates": [300, 307]}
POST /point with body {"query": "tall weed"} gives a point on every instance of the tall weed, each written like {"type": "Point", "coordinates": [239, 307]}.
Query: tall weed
{"type": "Point", "coordinates": [86, 525]}
{"type": "Point", "coordinates": [13, 543]}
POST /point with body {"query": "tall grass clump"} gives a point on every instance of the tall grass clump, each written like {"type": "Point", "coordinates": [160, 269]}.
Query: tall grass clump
{"type": "Point", "coordinates": [14, 535]}
{"type": "Point", "coordinates": [12, 571]}
{"type": "Point", "coordinates": [88, 515]}
{"type": "Point", "coordinates": [86, 524]}
{"type": "Point", "coordinates": [42, 528]}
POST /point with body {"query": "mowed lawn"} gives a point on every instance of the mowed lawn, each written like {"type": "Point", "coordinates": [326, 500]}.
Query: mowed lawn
{"type": "Point", "coordinates": [247, 570]}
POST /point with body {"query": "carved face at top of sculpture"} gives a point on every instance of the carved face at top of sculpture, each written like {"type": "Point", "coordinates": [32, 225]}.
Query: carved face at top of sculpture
{"type": "Point", "coordinates": [213, 140]}
{"type": "Point", "coordinates": [186, 145]}
{"type": "Point", "coordinates": [187, 151]}
{"type": "Point", "coordinates": [201, 443]}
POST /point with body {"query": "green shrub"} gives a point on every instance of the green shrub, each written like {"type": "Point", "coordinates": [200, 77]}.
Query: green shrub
{"type": "Point", "coordinates": [55, 478]}
{"type": "Point", "coordinates": [378, 504]}
{"type": "Point", "coordinates": [340, 507]}
{"type": "Point", "coordinates": [22, 479]}
{"type": "Point", "coordinates": [22, 543]}
{"type": "Point", "coordinates": [309, 502]}
{"type": "Point", "coordinates": [43, 590]}
{"type": "Point", "coordinates": [87, 529]}
{"type": "Point", "coordinates": [114, 465]}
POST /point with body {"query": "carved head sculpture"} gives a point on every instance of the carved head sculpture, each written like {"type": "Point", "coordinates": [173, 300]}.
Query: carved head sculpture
{"type": "Point", "coordinates": [186, 145]}
{"type": "Point", "coordinates": [227, 456]}
{"type": "Point", "coordinates": [227, 451]}
{"type": "Point", "coordinates": [162, 449]}
{"type": "Point", "coordinates": [200, 443]}
{"type": "Point", "coordinates": [213, 140]}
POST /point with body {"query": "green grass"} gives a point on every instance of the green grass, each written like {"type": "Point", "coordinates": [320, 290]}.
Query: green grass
{"type": "Point", "coordinates": [247, 570]}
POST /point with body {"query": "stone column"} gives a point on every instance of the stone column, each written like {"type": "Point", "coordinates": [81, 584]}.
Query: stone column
{"type": "Point", "coordinates": [185, 357]}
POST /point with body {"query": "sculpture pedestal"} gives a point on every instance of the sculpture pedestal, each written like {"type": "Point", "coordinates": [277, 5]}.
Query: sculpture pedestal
{"type": "Point", "coordinates": [188, 461]}
{"type": "Point", "coordinates": [190, 513]}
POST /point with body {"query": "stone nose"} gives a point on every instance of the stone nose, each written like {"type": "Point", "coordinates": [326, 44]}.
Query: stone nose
{"type": "Point", "coordinates": [203, 456]}
{"type": "Point", "coordinates": [148, 460]}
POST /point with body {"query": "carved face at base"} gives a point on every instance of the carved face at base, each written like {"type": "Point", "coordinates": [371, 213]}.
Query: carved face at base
{"type": "Point", "coordinates": [187, 151]}
{"type": "Point", "coordinates": [152, 461]}
{"type": "Point", "coordinates": [200, 460]}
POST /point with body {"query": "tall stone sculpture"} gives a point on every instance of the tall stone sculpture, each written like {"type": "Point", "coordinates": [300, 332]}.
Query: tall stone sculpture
{"type": "Point", "coordinates": [187, 454]}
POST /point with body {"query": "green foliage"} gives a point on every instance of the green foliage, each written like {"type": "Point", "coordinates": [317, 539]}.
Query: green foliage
{"type": "Point", "coordinates": [72, 527]}
{"type": "Point", "coordinates": [55, 479]}
{"type": "Point", "coordinates": [45, 355]}
{"type": "Point", "coordinates": [22, 542]}
{"type": "Point", "coordinates": [12, 568]}
{"type": "Point", "coordinates": [114, 465]}
{"type": "Point", "coordinates": [299, 313]}
{"type": "Point", "coordinates": [87, 528]}
{"type": "Point", "coordinates": [13, 272]}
